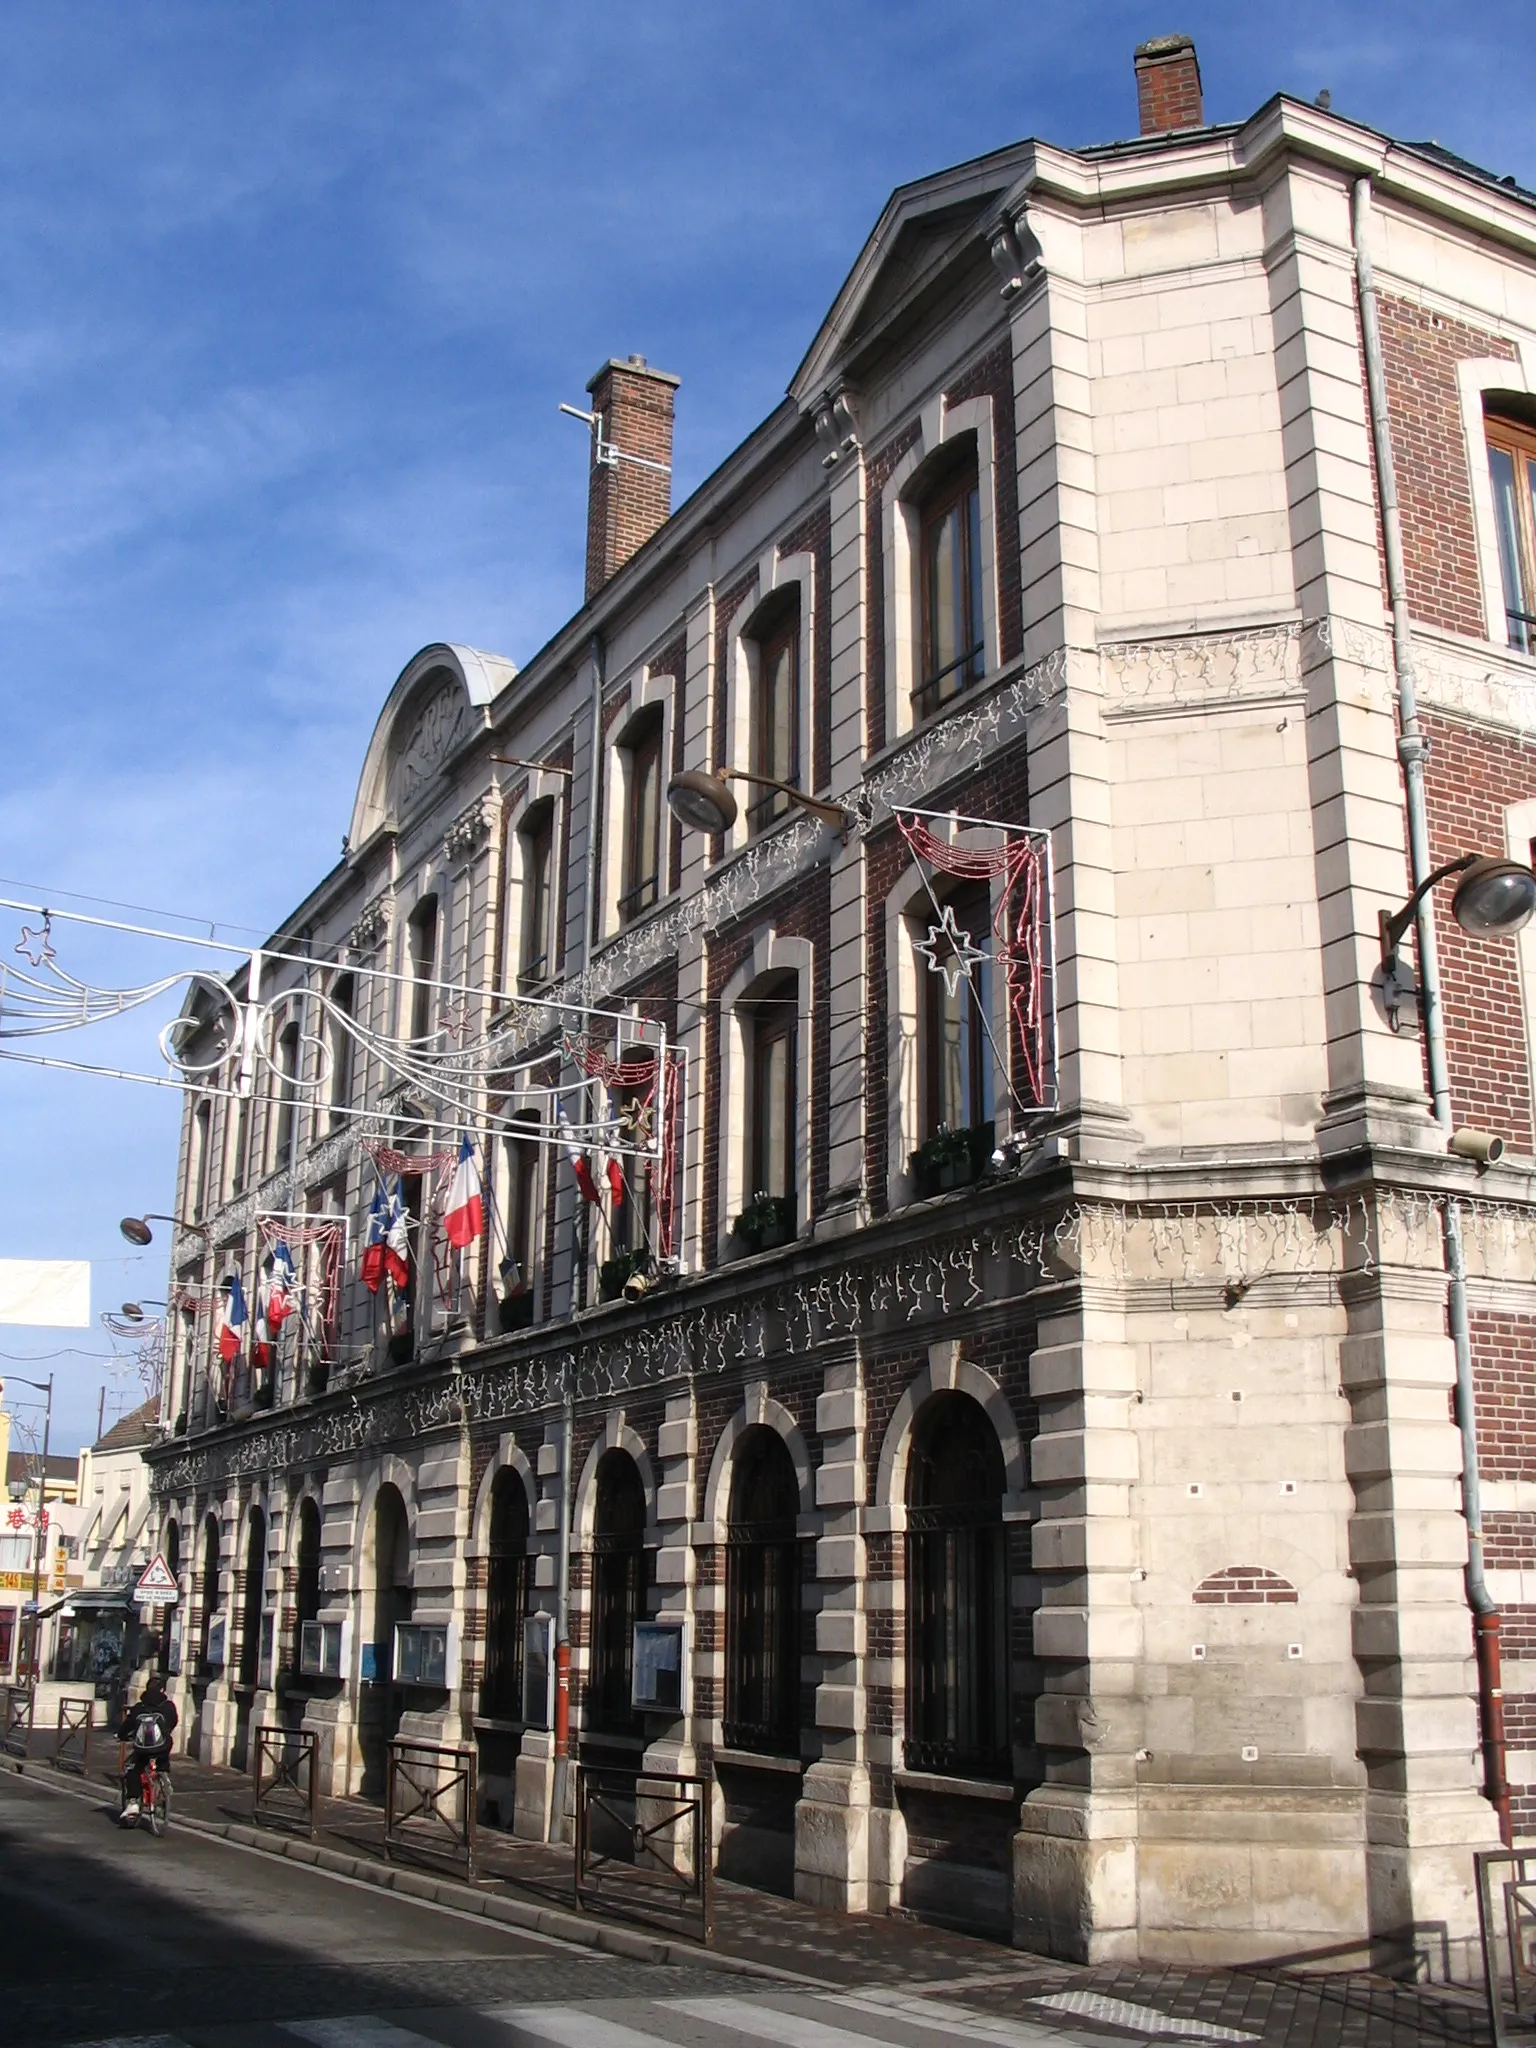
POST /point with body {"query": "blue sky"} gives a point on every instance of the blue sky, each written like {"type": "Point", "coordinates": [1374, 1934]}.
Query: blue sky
{"type": "Point", "coordinates": [291, 295]}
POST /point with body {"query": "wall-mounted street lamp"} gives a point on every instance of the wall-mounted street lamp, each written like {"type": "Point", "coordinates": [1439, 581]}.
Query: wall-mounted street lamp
{"type": "Point", "coordinates": [133, 1311]}
{"type": "Point", "coordinates": [701, 799]}
{"type": "Point", "coordinates": [1494, 898]}
{"type": "Point", "coordinates": [137, 1231]}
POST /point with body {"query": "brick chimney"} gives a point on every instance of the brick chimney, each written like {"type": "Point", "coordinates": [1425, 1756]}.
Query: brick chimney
{"type": "Point", "coordinates": [626, 500]}
{"type": "Point", "coordinates": [1168, 85]}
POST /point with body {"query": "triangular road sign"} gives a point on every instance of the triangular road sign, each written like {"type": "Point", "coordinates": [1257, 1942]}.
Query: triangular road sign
{"type": "Point", "coordinates": [157, 1584]}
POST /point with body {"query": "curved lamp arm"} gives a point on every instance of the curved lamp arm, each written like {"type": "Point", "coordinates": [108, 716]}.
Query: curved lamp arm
{"type": "Point", "coordinates": [1395, 922]}
{"type": "Point", "coordinates": [829, 814]}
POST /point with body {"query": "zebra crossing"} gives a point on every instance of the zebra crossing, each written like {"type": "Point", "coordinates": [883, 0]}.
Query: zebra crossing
{"type": "Point", "coordinates": [875, 2018]}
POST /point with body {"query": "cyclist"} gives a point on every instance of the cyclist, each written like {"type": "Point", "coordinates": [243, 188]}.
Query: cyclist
{"type": "Point", "coordinates": [149, 1726]}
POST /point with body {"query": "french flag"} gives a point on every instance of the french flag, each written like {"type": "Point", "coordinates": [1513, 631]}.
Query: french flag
{"type": "Point", "coordinates": [580, 1164]}
{"type": "Point", "coordinates": [373, 1250]}
{"type": "Point", "coordinates": [464, 1212]}
{"type": "Point", "coordinates": [282, 1285]}
{"type": "Point", "coordinates": [261, 1335]}
{"type": "Point", "coordinates": [232, 1321]}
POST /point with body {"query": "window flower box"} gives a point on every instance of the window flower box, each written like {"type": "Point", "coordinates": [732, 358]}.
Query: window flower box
{"type": "Point", "coordinates": [951, 1159]}
{"type": "Point", "coordinates": [515, 1311]}
{"type": "Point", "coordinates": [767, 1224]}
{"type": "Point", "coordinates": [612, 1274]}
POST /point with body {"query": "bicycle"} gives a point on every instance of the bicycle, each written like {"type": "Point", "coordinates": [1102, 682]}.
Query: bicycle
{"type": "Point", "coordinates": [154, 1798]}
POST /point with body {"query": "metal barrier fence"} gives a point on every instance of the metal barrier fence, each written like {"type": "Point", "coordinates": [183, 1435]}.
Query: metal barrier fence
{"type": "Point", "coordinates": [16, 1729]}
{"type": "Point", "coordinates": [429, 1802]}
{"type": "Point", "coordinates": [72, 1746]}
{"type": "Point", "coordinates": [287, 1782]}
{"type": "Point", "coordinates": [644, 1842]}
{"type": "Point", "coordinates": [1506, 1920]}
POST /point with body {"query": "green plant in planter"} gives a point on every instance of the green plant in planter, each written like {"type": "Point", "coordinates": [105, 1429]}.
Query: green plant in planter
{"type": "Point", "coordinates": [768, 1221]}
{"type": "Point", "coordinates": [612, 1273]}
{"type": "Point", "coordinates": [951, 1159]}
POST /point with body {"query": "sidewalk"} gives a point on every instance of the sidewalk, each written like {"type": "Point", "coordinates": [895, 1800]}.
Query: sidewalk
{"type": "Point", "coordinates": [759, 1932]}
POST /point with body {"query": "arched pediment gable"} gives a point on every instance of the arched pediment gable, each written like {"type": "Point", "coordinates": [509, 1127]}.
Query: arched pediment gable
{"type": "Point", "coordinates": [441, 697]}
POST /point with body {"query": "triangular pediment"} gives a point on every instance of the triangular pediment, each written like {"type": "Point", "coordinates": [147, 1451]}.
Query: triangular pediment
{"type": "Point", "coordinates": [925, 228]}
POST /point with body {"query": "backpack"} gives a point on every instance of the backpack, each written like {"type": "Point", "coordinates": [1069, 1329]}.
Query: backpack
{"type": "Point", "coordinates": [151, 1732]}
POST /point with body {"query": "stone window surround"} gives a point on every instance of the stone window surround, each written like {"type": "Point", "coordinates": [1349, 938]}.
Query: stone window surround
{"type": "Point", "coordinates": [499, 1198]}
{"type": "Point", "coordinates": [541, 787]}
{"type": "Point", "coordinates": [1475, 377]}
{"type": "Point", "coordinates": [646, 692]}
{"type": "Point", "coordinates": [776, 574]}
{"type": "Point", "coordinates": [908, 914]}
{"type": "Point", "coordinates": [772, 954]}
{"type": "Point", "coordinates": [940, 426]}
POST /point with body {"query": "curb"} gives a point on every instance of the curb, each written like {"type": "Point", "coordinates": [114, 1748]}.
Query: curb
{"type": "Point", "coordinates": [549, 1921]}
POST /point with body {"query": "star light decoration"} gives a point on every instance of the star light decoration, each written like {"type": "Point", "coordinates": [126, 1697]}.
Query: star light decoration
{"type": "Point", "coordinates": [637, 1120]}
{"type": "Point", "coordinates": [38, 946]}
{"type": "Point", "coordinates": [955, 963]}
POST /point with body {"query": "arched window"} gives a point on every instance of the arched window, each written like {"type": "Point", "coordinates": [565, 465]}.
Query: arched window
{"type": "Point", "coordinates": [255, 1593]}
{"type": "Point", "coordinates": [618, 1592]}
{"type": "Point", "coordinates": [535, 950]}
{"type": "Point", "coordinates": [773, 1026]}
{"type": "Point", "coordinates": [197, 1161]}
{"type": "Point", "coordinates": [392, 1575]}
{"type": "Point", "coordinates": [641, 874]}
{"type": "Point", "coordinates": [775, 739]}
{"type": "Point", "coordinates": [957, 1053]}
{"type": "Point", "coordinates": [952, 653]}
{"type": "Point", "coordinates": [762, 1598]}
{"type": "Point", "coordinates": [287, 1095]}
{"type": "Point", "coordinates": [957, 1594]}
{"type": "Point", "coordinates": [210, 1590]}
{"type": "Point", "coordinates": [1512, 474]}
{"type": "Point", "coordinates": [506, 1599]}
{"type": "Point", "coordinates": [306, 1577]}
{"type": "Point", "coordinates": [423, 967]}
{"type": "Point", "coordinates": [344, 998]}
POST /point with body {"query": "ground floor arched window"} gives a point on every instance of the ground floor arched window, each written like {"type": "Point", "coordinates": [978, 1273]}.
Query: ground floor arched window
{"type": "Point", "coordinates": [762, 1598]}
{"type": "Point", "coordinates": [957, 1594]}
{"type": "Point", "coordinates": [618, 1592]}
{"type": "Point", "coordinates": [506, 1599]}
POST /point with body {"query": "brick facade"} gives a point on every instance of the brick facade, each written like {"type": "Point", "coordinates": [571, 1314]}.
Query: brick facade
{"type": "Point", "coordinates": [1421, 349]}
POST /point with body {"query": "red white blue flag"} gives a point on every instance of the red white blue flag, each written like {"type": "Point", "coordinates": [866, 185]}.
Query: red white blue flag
{"type": "Point", "coordinates": [282, 1285]}
{"type": "Point", "coordinates": [464, 1210]}
{"type": "Point", "coordinates": [232, 1321]}
{"type": "Point", "coordinates": [261, 1335]}
{"type": "Point", "coordinates": [580, 1164]}
{"type": "Point", "coordinates": [373, 1250]}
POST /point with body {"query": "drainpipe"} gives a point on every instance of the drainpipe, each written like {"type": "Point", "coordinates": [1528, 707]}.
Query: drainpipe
{"type": "Point", "coordinates": [579, 1278]}
{"type": "Point", "coordinates": [1411, 751]}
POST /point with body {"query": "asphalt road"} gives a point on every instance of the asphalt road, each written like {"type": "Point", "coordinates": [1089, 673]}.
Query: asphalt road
{"type": "Point", "coordinates": [107, 1935]}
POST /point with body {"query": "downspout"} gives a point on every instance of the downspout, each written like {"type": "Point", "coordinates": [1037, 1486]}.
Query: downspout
{"type": "Point", "coordinates": [1411, 751]}
{"type": "Point", "coordinates": [578, 1281]}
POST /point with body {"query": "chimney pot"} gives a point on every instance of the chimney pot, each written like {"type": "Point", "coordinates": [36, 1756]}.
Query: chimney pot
{"type": "Point", "coordinates": [627, 500]}
{"type": "Point", "coordinates": [1168, 85]}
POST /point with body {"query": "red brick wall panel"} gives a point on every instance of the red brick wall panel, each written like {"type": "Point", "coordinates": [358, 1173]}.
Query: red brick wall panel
{"type": "Point", "coordinates": [1420, 351]}
{"type": "Point", "coordinates": [1472, 776]}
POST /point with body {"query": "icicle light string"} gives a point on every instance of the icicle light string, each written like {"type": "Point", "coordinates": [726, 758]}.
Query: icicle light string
{"type": "Point", "coordinates": [1209, 1245]}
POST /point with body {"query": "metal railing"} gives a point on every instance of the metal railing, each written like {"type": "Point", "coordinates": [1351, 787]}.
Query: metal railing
{"type": "Point", "coordinates": [72, 1745]}
{"type": "Point", "coordinates": [1506, 1921]}
{"type": "Point", "coordinates": [16, 1725]}
{"type": "Point", "coordinates": [644, 1842]}
{"type": "Point", "coordinates": [429, 1802]}
{"type": "Point", "coordinates": [286, 1778]}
